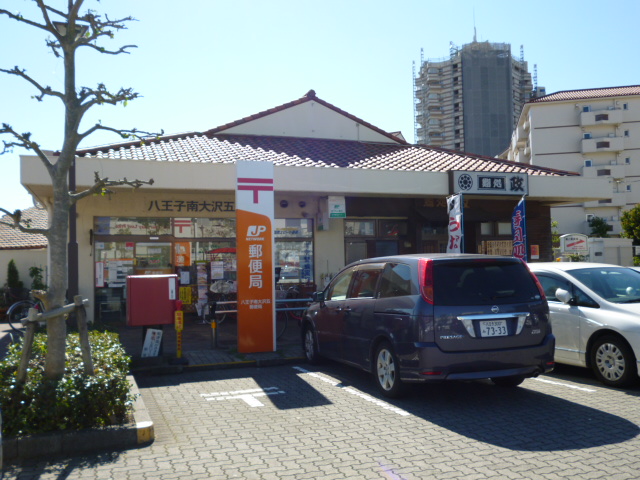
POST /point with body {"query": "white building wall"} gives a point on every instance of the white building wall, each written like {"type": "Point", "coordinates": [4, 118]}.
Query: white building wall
{"type": "Point", "coordinates": [555, 134]}
{"type": "Point", "coordinates": [24, 259]}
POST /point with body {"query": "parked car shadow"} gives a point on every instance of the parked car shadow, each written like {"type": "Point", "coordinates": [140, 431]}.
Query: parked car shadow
{"type": "Point", "coordinates": [514, 418]}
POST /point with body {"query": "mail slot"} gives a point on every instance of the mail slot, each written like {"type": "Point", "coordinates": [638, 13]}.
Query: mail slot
{"type": "Point", "coordinates": [151, 299]}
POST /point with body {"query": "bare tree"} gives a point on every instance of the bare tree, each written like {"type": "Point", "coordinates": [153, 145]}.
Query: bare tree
{"type": "Point", "coordinates": [69, 30]}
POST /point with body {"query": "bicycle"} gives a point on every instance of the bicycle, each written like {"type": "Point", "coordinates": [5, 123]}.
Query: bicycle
{"type": "Point", "coordinates": [20, 310]}
{"type": "Point", "coordinates": [220, 298]}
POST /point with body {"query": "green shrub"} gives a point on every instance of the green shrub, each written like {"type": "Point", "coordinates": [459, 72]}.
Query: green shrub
{"type": "Point", "coordinates": [77, 401]}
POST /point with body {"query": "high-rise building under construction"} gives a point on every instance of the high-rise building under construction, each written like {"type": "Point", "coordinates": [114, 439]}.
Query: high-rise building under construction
{"type": "Point", "coordinates": [472, 100]}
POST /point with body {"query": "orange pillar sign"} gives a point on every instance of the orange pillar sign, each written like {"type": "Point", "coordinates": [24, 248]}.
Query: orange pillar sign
{"type": "Point", "coordinates": [254, 253]}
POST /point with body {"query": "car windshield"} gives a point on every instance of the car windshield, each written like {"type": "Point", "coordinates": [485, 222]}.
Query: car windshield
{"type": "Point", "coordinates": [616, 285]}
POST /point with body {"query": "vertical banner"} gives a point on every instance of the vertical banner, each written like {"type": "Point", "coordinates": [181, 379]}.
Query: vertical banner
{"type": "Point", "coordinates": [456, 232]}
{"type": "Point", "coordinates": [519, 230]}
{"type": "Point", "coordinates": [254, 250]}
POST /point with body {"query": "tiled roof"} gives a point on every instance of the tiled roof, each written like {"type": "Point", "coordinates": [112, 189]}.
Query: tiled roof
{"type": "Point", "coordinates": [572, 95]}
{"type": "Point", "coordinates": [309, 152]}
{"type": "Point", "coordinates": [13, 239]}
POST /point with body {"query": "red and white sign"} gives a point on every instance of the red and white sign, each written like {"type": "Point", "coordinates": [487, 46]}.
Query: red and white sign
{"type": "Point", "coordinates": [574, 243]}
{"type": "Point", "coordinates": [254, 250]}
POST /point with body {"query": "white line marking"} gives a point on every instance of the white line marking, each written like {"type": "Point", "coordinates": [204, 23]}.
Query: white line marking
{"type": "Point", "coordinates": [564, 385]}
{"type": "Point", "coordinates": [250, 397]}
{"type": "Point", "coordinates": [355, 392]}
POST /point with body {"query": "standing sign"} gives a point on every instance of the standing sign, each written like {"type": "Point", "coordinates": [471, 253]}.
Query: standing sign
{"type": "Point", "coordinates": [454, 208]}
{"type": "Point", "coordinates": [574, 243]}
{"type": "Point", "coordinates": [254, 236]}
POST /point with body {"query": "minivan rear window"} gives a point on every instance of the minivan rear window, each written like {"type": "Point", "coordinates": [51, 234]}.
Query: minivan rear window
{"type": "Point", "coordinates": [483, 283]}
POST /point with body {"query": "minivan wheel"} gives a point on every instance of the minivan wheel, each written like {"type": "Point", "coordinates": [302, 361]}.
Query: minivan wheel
{"type": "Point", "coordinates": [613, 361]}
{"type": "Point", "coordinates": [513, 381]}
{"type": "Point", "coordinates": [386, 371]}
{"type": "Point", "coordinates": [310, 345]}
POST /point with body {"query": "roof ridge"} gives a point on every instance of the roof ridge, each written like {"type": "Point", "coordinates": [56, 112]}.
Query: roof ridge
{"type": "Point", "coordinates": [308, 97]}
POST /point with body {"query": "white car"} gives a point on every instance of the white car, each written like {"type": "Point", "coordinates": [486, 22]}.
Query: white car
{"type": "Point", "coordinates": [595, 316]}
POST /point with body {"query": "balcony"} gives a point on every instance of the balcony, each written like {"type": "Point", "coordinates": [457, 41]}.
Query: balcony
{"type": "Point", "coordinates": [601, 117]}
{"type": "Point", "coordinates": [611, 170]}
{"type": "Point", "coordinates": [616, 200]}
{"type": "Point", "coordinates": [603, 144]}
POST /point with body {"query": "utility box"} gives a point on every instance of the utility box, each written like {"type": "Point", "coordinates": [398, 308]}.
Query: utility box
{"type": "Point", "coordinates": [151, 299]}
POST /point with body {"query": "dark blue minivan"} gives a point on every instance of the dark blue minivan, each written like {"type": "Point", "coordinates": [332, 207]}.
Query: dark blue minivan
{"type": "Point", "coordinates": [433, 317]}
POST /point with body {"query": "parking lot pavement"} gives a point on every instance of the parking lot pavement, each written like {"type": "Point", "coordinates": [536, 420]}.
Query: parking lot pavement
{"type": "Point", "coordinates": [328, 422]}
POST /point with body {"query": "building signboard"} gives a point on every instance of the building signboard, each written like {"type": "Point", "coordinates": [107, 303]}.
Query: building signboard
{"type": "Point", "coordinates": [489, 183]}
{"type": "Point", "coordinates": [254, 237]}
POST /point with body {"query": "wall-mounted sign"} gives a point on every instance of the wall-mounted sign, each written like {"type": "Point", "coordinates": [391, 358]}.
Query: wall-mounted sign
{"type": "Point", "coordinates": [489, 183]}
{"type": "Point", "coordinates": [337, 207]}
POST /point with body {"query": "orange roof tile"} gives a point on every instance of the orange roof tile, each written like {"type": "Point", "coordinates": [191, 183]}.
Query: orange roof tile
{"type": "Point", "coordinates": [14, 239]}
{"type": "Point", "coordinates": [587, 94]}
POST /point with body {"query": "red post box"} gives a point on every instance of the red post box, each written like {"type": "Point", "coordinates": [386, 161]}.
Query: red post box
{"type": "Point", "coordinates": [151, 299]}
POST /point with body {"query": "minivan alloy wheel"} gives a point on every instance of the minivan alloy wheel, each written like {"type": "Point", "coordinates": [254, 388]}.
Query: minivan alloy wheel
{"type": "Point", "coordinates": [386, 371]}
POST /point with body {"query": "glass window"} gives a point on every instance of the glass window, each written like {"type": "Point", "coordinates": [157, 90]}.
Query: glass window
{"type": "Point", "coordinates": [292, 228]}
{"type": "Point", "coordinates": [338, 288]}
{"type": "Point", "coordinates": [153, 258]}
{"type": "Point", "coordinates": [396, 281]}
{"type": "Point", "coordinates": [295, 259]}
{"type": "Point", "coordinates": [482, 283]}
{"type": "Point", "coordinates": [359, 228]}
{"type": "Point", "coordinates": [365, 282]}
{"type": "Point", "coordinates": [504, 228]}
{"type": "Point", "coordinates": [551, 284]}
{"type": "Point", "coordinates": [132, 226]}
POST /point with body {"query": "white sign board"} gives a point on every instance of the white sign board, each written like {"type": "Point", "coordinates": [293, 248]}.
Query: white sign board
{"type": "Point", "coordinates": [574, 243]}
{"type": "Point", "coordinates": [152, 342]}
{"type": "Point", "coordinates": [337, 207]}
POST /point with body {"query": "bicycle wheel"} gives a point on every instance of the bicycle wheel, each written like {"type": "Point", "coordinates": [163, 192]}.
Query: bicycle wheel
{"type": "Point", "coordinates": [17, 312]}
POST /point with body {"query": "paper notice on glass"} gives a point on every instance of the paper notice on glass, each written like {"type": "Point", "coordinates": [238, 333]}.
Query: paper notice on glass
{"type": "Point", "coordinates": [184, 277]}
{"type": "Point", "coordinates": [217, 270]}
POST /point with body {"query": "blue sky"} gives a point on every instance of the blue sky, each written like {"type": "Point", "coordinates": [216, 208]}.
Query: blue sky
{"type": "Point", "coordinates": [203, 63]}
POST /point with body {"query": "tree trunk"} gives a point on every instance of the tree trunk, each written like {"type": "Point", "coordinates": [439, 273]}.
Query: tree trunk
{"type": "Point", "coordinates": [57, 327]}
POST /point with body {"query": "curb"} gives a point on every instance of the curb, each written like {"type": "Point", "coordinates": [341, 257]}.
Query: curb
{"type": "Point", "coordinates": [66, 444]}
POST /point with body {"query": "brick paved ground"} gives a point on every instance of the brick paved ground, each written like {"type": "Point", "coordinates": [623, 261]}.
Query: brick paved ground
{"type": "Point", "coordinates": [327, 422]}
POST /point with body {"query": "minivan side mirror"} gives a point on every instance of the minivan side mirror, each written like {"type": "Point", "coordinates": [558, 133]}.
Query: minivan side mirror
{"type": "Point", "coordinates": [564, 296]}
{"type": "Point", "coordinates": [318, 296]}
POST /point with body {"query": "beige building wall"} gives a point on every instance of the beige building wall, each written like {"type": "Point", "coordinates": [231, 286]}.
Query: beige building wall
{"type": "Point", "coordinates": [596, 137]}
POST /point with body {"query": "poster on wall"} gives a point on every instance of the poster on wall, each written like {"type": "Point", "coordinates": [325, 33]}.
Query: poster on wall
{"type": "Point", "coordinates": [254, 236]}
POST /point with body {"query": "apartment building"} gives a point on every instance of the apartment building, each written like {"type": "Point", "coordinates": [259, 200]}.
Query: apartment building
{"type": "Point", "coordinates": [472, 100]}
{"type": "Point", "coordinates": [595, 132]}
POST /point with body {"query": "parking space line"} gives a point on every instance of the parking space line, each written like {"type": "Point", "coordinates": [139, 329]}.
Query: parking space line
{"type": "Point", "coordinates": [564, 385]}
{"type": "Point", "coordinates": [250, 397]}
{"type": "Point", "coordinates": [355, 392]}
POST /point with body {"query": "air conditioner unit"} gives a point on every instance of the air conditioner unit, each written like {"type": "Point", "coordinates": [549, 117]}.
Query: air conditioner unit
{"type": "Point", "coordinates": [614, 162]}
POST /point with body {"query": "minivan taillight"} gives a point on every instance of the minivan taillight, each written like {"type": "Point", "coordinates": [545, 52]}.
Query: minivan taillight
{"type": "Point", "coordinates": [425, 275]}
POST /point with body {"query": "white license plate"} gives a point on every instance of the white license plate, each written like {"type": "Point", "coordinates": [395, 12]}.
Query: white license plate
{"type": "Point", "coordinates": [493, 328]}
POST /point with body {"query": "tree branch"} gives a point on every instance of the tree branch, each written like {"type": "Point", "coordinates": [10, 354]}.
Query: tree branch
{"type": "Point", "coordinates": [125, 134]}
{"type": "Point", "coordinates": [43, 90]}
{"type": "Point", "coordinates": [21, 224]}
{"type": "Point", "coordinates": [101, 186]}
{"type": "Point", "coordinates": [23, 140]}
